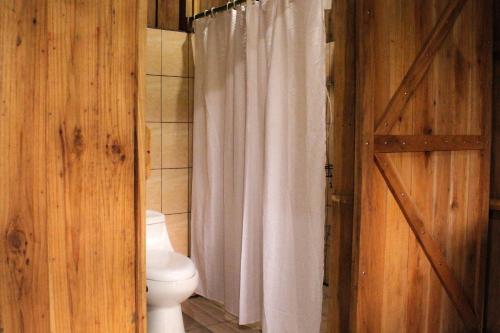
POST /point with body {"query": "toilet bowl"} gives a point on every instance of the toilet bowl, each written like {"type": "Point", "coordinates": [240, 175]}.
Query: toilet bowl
{"type": "Point", "coordinates": [170, 278]}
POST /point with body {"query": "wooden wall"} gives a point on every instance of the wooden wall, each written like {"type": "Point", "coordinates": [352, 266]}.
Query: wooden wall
{"type": "Point", "coordinates": [423, 104]}
{"type": "Point", "coordinates": [341, 143]}
{"type": "Point", "coordinates": [171, 14]}
{"type": "Point", "coordinates": [493, 291]}
{"type": "Point", "coordinates": [168, 14]}
{"type": "Point", "coordinates": [71, 227]}
{"type": "Point", "coordinates": [201, 5]}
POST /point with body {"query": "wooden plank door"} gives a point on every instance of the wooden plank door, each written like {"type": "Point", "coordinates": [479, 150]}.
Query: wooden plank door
{"type": "Point", "coordinates": [71, 257]}
{"type": "Point", "coordinates": [424, 121]}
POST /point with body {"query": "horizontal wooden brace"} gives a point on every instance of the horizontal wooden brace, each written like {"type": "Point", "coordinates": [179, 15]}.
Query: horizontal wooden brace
{"type": "Point", "coordinates": [495, 204]}
{"type": "Point", "coordinates": [421, 143]}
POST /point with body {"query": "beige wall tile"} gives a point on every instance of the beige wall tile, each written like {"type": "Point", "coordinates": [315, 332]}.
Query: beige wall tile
{"type": "Point", "coordinates": [175, 99]}
{"type": "Point", "coordinates": [191, 55]}
{"type": "Point", "coordinates": [153, 51]}
{"type": "Point", "coordinates": [175, 51]}
{"type": "Point", "coordinates": [155, 129]}
{"type": "Point", "coordinates": [153, 98]}
{"type": "Point", "coordinates": [330, 48]}
{"type": "Point", "coordinates": [190, 147]}
{"type": "Point", "coordinates": [189, 232]}
{"type": "Point", "coordinates": [175, 144]}
{"type": "Point", "coordinates": [153, 191]}
{"type": "Point", "coordinates": [191, 99]}
{"type": "Point", "coordinates": [177, 225]}
{"type": "Point", "coordinates": [190, 187]}
{"type": "Point", "coordinates": [174, 191]}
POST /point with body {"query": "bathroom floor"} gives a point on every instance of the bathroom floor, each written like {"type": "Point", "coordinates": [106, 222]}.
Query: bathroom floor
{"type": "Point", "coordinates": [204, 316]}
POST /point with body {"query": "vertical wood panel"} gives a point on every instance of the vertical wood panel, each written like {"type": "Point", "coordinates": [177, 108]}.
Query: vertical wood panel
{"type": "Point", "coordinates": [493, 295]}
{"type": "Point", "coordinates": [343, 136]}
{"type": "Point", "coordinates": [370, 218]}
{"type": "Point", "coordinates": [141, 170]}
{"type": "Point", "coordinates": [493, 288]}
{"type": "Point", "coordinates": [152, 13]}
{"type": "Point", "coordinates": [202, 5]}
{"type": "Point", "coordinates": [397, 291]}
{"type": "Point", "coordinates": [69, 106]}
{"type": "Point", "coordinates": [168, 14]}
{"type": "Point", "coordinates": [24, 296]}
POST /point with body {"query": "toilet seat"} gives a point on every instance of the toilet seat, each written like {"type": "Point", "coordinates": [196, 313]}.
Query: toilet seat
{"type": "Point", "coordinates": [167, 266]}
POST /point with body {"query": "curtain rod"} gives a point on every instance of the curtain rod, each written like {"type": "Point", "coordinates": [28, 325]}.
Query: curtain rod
{"type": "Point", "coordinates": [215, 10]}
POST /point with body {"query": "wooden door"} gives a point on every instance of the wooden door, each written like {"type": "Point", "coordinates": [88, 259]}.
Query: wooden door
{"type": "Point", "coordinates": [424, 120]}
{"type": "Point", "coordinates": [71, 257]}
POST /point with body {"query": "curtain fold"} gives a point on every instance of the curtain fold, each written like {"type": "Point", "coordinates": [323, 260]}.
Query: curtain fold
{"type": "Point", "coordinates": [259, 147]}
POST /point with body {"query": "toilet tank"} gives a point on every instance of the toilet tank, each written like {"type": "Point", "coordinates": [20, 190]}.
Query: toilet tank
{"type": "Point", "coordinates": [156, 232]}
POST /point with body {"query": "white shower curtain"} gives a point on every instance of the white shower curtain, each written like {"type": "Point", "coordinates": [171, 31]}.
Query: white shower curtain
{"type": "Point", "coordinates": [258, 162]}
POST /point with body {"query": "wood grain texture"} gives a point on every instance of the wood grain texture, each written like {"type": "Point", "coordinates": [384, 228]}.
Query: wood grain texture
{"type": "Point", "coordinates": [152, 16]}
{"type": "Point", "coordinates": [141, 170]}
{"type": "Point", "coordinates": [69, 91]}
{"type": "Point", "coordinates": [422, 143]}
{"type": "Point", "coordinates": [495, 162]}
{"type": "Point", "coordinates": [168, 14]}
{"type": "Point", "coordinates": [342, 138]}
{"type": "Point", "coordinates": [430, 247]}
{"type": "Point", "coordinates": [202, 5]}
{"type": "Point", "coordinates": [395, 286]}
{"type": "Point", "coordinates": [419, 67]}
{"type": "Point", "coordinates": [493, 287]}
{"type": "Point", "coordinates": [24, 275]}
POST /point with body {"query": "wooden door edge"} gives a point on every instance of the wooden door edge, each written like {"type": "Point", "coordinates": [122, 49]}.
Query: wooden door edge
{"type": "Point", "coordinates": [140, 172]}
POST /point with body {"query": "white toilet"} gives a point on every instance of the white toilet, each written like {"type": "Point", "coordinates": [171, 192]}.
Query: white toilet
{"type": "Point", "coordinates": [171, 278]}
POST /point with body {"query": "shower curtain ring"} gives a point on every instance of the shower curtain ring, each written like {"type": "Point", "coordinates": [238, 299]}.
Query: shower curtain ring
{"type": "Point", "coordinates": [206, 12]}
{"type": "Point", "coordinates": [212, 11]}
{"type": "Point", "coordinates": [227, 5]}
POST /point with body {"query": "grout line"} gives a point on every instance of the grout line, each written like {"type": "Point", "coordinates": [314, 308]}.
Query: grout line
{"type": "Point", "coordinates": [161, 127]}
{"type": "Point", "coordinates": [169, 122]}
{"type": "Point", "coordinates": [177, 76]}
{"type": "Point", "coordinates": [176, 213]}
{"type": "Point", "coordinates": [179, 168]}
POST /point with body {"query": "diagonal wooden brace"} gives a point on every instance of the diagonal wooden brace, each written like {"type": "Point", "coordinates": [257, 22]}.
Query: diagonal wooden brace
{"type": "Point", "coordinates": [420, 66]}
{"type": "Point", "coordinates": [429, 246]}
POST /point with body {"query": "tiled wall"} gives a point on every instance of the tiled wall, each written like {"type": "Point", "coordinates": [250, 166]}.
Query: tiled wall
{"type": "Point", "coordinates": [169, 95]}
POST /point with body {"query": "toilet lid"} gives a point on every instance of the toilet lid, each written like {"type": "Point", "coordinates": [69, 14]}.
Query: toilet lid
{"type": "Point", "coordinates": [167, 266]}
